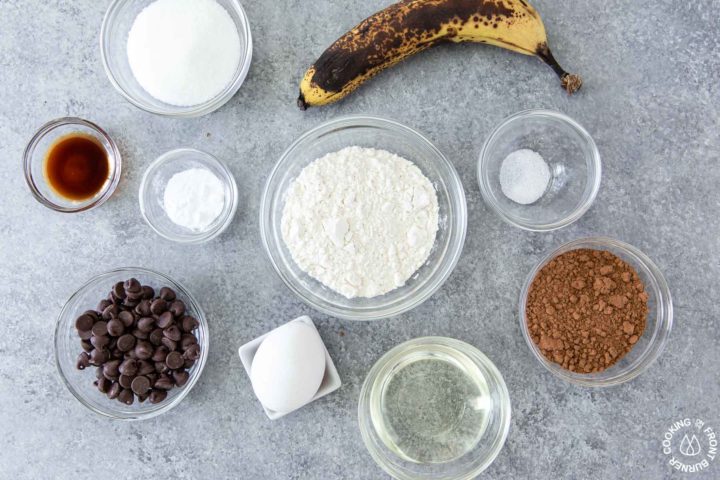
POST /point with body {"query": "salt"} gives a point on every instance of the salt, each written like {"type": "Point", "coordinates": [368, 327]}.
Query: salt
{"type": "Point", "coordinates": [184, 52]}
{"type": "Point", "coordinates": [524, 176]}
{"type": "Point", "coordinates": [194, 198]}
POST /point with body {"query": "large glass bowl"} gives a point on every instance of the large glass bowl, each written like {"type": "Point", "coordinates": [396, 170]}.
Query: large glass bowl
{"type": "Point", "coordinates": [67, 345]}
{"type": "Point", "coordinates": [382, 408]}
{"type": "Point", "coordinates": [657, 327]}
{"type": "Point", "coordinates": [376, 133]}
{"type": "Point", "coordinates": [569, 151]}
{"type": "Point", "coordinates": [113, 48]}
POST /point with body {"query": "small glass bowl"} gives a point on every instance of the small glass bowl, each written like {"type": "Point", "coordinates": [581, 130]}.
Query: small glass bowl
{"type": "Point", "coordinates": [569, 151]}
{"type": "Point", "coordinates": [152, 189]}
{"type": "Point", "coordinates": [461, 356]}
{"type": "Point", "coordinates": [38, 148]}
{"type": "Point", "coordinates": [382, 134]}
{"type": "Point", "coordinates": [113, 48]}
{"type": "Point", "coordinates": [657, 328]}
{"type": "Point", "coordinates": [67, 345]}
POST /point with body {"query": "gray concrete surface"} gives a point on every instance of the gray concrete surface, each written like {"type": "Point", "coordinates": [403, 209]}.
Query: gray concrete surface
{"type": "Point", "coordinates": [651, 100]}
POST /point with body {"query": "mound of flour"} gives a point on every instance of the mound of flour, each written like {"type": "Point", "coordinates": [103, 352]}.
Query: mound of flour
{"type": "Point", "coordinates": [361, 221]}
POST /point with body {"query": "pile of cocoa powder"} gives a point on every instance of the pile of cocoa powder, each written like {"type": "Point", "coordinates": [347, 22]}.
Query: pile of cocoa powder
{"type": "Point", "coordinates": [586, 309]}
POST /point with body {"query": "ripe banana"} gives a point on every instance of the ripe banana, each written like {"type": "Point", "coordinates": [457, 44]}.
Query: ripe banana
{"type": "Point", "coordinates": [411, 26]}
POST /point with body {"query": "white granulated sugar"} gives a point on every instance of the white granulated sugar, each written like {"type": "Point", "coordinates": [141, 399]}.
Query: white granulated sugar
{"type": "Point", "coordinates": [524, 176]}
{"type": "Point", "coordinates": [194, 198]}
{"type": "Point", "coordinates": [361, 221]}
{"type": "Point", "coordinates": [184, 52]}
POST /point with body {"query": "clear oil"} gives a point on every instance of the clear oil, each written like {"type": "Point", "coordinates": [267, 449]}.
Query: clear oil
{"type": "Point", "coordinates": [433, 407]}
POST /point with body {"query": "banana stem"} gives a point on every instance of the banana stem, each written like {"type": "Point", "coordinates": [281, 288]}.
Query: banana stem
{"type": "Point", "coordinates": [569, 81]}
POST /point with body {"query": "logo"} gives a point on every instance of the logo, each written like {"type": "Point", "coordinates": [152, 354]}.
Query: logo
{"type": "Point", "coordinates": [690, 445]}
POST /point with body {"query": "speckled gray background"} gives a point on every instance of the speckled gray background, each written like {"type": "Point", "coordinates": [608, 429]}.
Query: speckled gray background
{"type": "Point", "coordinates": [651, 101]}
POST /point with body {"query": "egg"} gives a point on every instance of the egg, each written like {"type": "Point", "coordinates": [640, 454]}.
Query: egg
{"type": "Point", "coordinates": [288, 367]}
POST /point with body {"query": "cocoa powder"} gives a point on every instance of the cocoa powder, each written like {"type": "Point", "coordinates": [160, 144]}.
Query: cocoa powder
{"type": "Point", "coordinates": [586, 309]}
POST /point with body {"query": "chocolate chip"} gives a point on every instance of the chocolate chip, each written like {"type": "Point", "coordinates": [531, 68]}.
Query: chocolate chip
{"type": "Point", "coordinates": [99, 373]}
{"type": "Point", "coordinates": [165, 320]}
{"type": "Point", "coordinates": [85, 335]}
{"type": "Point", "coordinates": [117, 354]}
{"type": "Point", "coordinates": [181, 377]}
{"type": "Point", "coordinates": [100, 328]}
{"type": "Point", "coordinates": [174, 360]}
{"type": "Point", "coordinates": [153, 377]}
{"type": "Point", "coordinates": [192, 352]}
{"type": "Point", "coordinates": [126, 396]}
{"type": "Point", "coordinates": [143, 349]}
{"type": "Point", "coordinates": [177, 308]}
{"type": "Point", "coordinates": [146, 367]}
{"type": "Point", "coordinates": [133, 297]}
{"type": "Point", "coordinates": [84, 323]}
{"type": "Point", "coordinates": [143, 308]}
{"type": "Point", "coordinates": [173, 333]}
{"type": "Point", "coordinates": [160, 367]}
{"type": "Point", "coordinates": [171, 345]}
{"type": "Point", "coordinates": [103, 384]}
{"type": "Point", "coordinates": [143, 397]}
{"type": "Point", "coordinates": [160, 354]}
{"type": "Point", "coordinates": [156, 336]}
{"type": "Point", "coordinates": [188, 323]}
{"type": "Point", "coordinates": [103, 305]}
{"type": "Point", "coordinates": [139, 334]}
{"type": "Point", "coordinates": [147, 292]}
{"type": "Point", "coordinates": [146, 324]}
{"type": "Point", "coordinates": [132, 285]}
{"type": "Point", "coordinates": [158, 306]}
{"type": "Point", "coordinates": [100, 341]}
{"type": "Point", "coordinates": [114, 391]}
{"type": "Point", "coordinates": [157, 396]}
{"type": "Point", "coordinates": [127, 318]}
{"type": "Point", "coordinates": [115, 327]}
{"type": "Point", "coordinates": [126, 343]}
{"type": "Point", "coordinates": [110, 312]}
{"type": "Point", "coordinates": [129, 367]}
{"type": "Point", "coordinates": [83, 361]}
{"type": "Point", "coordinates": [86, 345]}
{"type": "Point", "coordinates": [119, 290]}
{"type": "Point", "coordinates": [111, 369]}
{"type": "Point", "coordinates": [99, 356]}
{"type": "Point", "coordinates": [167, 294]}
{"type": "Point", "coordinates": [187, 340]}
{"type": "Point", "coordinates": [125, 381]}
{"type": "Point", "coordinates": [188, 364]}
{"type": "Point", "coordinates": [140, 385]}
{"type": "Point", "coordinates": [164, 382]}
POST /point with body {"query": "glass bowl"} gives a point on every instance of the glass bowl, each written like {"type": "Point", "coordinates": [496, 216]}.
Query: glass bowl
{"type": "Point", "coordinates": [657, 328]}
{"type": "Point", "coordinates": [152, 189]}
{"type": "Point", "coordinates": [405, 420]}
{"type": "Point", "coordinates": [37, 150]}
{"type": "Point", "coordinates": [67, 345]}
{"type": "Point", "coordinates": [113, 48]}
{"type": "Point", "coordinates": [383, 134]}
{"type": "Point", "coordinates": [569, 151]}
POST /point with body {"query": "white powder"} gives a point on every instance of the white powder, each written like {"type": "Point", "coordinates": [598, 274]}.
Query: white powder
{"type": "Point", "coordinates": [361, 221]}
{"type": "Point", "coordinates": [194, 198]}
{"type": "Point", "coordinates": [524, 176]}
{"type": "Point", "coordinates": [184, 52]}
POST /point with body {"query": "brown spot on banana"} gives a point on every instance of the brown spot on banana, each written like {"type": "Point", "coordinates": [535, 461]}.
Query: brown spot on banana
{"type": "Point", "coordinates": [411, 26]}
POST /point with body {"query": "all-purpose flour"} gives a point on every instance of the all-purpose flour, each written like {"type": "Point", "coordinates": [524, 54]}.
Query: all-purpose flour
{"type": "Point", "coordinates": [361, 221]}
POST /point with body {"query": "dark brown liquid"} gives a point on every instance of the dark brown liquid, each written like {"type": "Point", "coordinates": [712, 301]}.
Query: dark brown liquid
{"type": "Point", "coordinates": [77, 167]}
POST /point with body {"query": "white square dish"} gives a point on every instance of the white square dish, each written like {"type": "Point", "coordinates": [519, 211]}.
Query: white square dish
{"type": "Point", "coordinates": [330, 382]}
